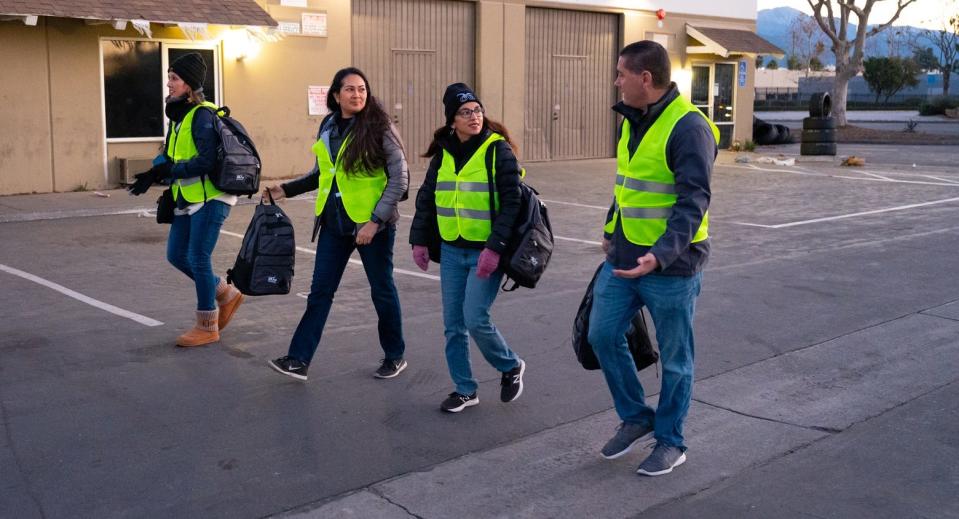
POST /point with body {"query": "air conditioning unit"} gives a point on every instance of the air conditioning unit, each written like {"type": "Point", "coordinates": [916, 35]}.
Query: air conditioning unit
{"type": "Point", "coordinates": [130, 166]}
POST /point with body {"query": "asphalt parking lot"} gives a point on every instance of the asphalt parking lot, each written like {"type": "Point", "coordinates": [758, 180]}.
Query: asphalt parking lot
{"type": "Point", "coordinates": [813, 265]}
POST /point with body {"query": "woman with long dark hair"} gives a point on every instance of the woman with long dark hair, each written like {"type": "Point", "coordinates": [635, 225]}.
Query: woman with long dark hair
{"type": "Point", "coordinates": [453, 208]}
{"type": "Point", "coordinates": [187, 162]}
{"type": "Point", "coordinates": [360, 176]}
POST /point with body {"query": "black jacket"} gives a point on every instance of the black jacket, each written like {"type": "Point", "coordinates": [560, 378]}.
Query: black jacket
{"type": "Point", "coordinates": [423, 230]}
{"type": "Point", "coordinates": [690, 153]}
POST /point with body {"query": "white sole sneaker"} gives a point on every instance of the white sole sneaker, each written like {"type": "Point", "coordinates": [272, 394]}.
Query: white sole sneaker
{"type": "Point", "coordinates": [397, 372]}
{"type": "Point", "coordinates": [679, 461]}
{"type": "Point", "coordinates": [522, 371]}
{"type": "Point", "coordinates": [287, 373]}
{"type": "Point", "coordinates": [464, 405]}
{"type": "Point", "coordinates": [628, 448]}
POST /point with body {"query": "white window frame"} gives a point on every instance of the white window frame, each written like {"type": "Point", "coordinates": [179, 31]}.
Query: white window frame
{"type": "Point", "coordinates": [161, 88]}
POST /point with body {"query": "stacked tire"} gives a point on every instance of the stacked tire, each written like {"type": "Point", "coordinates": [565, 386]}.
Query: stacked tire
{"type": "Point", "coordinates": [819, 129]}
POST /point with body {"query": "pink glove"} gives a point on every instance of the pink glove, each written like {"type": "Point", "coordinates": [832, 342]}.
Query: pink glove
{"type": "Point", "coordinates": [421, 256]}
{"type": "Point", "coordinates": [487, 263]}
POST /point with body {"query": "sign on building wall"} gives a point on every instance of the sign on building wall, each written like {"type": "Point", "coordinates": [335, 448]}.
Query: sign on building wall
{"type": "Point", "coordinates": [316, 97]}
{"type": "Point", "coordinates": [294, 3]}
{"type": "Point", "coordinates": [314, 24]}
{"type": "Point", "coordinates": [742, 73]}
{"type": "Point", "coordinates": [289, 27]}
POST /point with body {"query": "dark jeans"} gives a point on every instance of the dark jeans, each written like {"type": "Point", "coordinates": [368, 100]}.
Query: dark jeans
{"type": "Point", "coordinates": [190, 245]}
{"type": "Point", "coordinates": [671, 301]}
{"type": "Point", "coordinates": [332, 254]}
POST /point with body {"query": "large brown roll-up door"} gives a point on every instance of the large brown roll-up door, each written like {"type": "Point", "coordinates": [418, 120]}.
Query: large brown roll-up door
{"type": "Point", "coordinates": [410, 50]}
{"type": "Point", "coordinates": [570, 68]}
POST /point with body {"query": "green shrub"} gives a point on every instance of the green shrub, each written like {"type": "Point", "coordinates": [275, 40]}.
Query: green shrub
{"type": "Point", "coordinates": [748, 145]}
{"type": "Point", "coordinates": [938, 105]}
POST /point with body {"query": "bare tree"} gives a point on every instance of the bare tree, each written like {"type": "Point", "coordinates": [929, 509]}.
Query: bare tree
{"type": "Point", "coordinates": [804, 36]}
{"type": "Point", "coordinates": [946, 41]}
{"type": "Point", "coordinates": [848, 50]}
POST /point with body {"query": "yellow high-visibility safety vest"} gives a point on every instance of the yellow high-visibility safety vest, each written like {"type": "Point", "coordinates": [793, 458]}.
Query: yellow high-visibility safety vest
{"type": "Point", "coordinates": [182, 148]}
{"type": "Point", "coordinates": [462, 200]}
{"type": "Point", "coordinates": [645, 189]}
{"type": "Point", "coordinates": [360, 190]}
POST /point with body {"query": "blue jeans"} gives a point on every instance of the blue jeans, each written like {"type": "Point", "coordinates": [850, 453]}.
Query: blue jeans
{"type": "Point", "coordinates": [332, 254]}
{"type": "Point", "coordinates": [190, 245]}
{"type": "Point", "coordinates": [466, 303]}
{"type": "Point", "coordinates": [671, 301]}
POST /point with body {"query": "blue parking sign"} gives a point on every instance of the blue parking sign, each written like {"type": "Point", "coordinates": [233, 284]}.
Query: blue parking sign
{"type": "Point", "coordinates": [742, 73]}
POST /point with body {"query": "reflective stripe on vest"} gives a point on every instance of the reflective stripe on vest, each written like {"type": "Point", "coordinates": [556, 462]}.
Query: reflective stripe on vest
{"type": "Point", "coordinates": [462, 199]}
{"type": "Point", "coordinates": [645, 189]}
{"type": "Point", "coordinates": [182, 148]}
{"type": "Point", "coordinates": [359, 190]}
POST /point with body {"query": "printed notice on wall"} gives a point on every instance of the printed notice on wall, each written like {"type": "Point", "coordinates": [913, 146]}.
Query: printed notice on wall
{"type": "Point", "coordinates": [289, 27]}
{"type": "Point", "coordinates": [294, 3]}
{"type": "Point", "coordinates": [314, 24]}
{"type": "Point", "coordinates": [317, 99]}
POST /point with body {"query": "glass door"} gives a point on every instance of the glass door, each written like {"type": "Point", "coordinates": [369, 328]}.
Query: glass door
{"type": "Point", "coordinates": [713, 91]}
{"type": "Point", "coordinates": [724, 77]}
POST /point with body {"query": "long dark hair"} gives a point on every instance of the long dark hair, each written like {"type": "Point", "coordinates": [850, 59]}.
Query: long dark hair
{"type": "Point", "coordinates": [365, 152]}
{"type": "Point", "coordinates": [444, 132]}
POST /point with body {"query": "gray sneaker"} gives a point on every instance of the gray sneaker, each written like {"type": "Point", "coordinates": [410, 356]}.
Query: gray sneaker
{"type": "Point", "coordinates": [627, 435]}
{"type": "Point", "coordinates": [662, 460]}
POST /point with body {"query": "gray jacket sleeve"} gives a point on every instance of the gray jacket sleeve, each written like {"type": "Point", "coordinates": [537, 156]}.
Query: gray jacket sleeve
{"type": "Point", "coordinates": [690, 153]}
{"type": "Point", "coordinates": [309, 181]}
{"type": "Point", "coordinates": [398, 178]}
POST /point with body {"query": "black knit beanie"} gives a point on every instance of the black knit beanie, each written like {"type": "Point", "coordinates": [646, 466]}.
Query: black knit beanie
{"type": "Point", "coordinates": [191, 68]}
{"type": "Point", "coordinates": [456, 96]}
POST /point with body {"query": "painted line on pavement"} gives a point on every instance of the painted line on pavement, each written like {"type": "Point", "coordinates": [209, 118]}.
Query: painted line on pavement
{"type": "Point", "coordinates": [353, 261]}
{"type": "Point", "coordinates": [146, 321]}
{"type": "Point", "coordinates": [872, 178]}
{"type": "Point", "coordinates": [850, 215]}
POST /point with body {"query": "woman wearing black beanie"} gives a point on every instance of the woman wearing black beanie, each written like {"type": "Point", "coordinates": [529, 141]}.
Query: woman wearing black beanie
{"type": "Point", "coordinates": [187, 161]}
{"type": "Point", "coordinates": [453, 209]}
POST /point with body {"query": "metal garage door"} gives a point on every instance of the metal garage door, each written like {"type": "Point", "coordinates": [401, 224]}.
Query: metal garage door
{"type": "Point", "coordinates": [570, 68]}
{"type": "Point", "coordinates": [412, 49]}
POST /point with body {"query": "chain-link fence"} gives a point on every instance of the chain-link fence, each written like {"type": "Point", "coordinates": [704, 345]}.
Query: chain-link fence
{"type": "Point", "coordinates": [773, 99]}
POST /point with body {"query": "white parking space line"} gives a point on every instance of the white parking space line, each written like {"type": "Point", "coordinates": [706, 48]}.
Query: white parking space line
{"type": "Point", "coordinates": [146, 321]}
{"type": "Point", "coordinates": [871, 178]}
{"type": "Point", "coordinates": [353, 261]}
{"type": "Point", "coordinates": [850, 215]}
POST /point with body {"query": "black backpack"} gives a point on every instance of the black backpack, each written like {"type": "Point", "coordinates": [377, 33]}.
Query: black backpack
{"type": "Point", "coordinates": [531, 244]}
{"type": "Point", "coordinates": [237, 169]}
{"type": "Point", "coordinates": [264, 264]}
{"type": "Point", "coordinates": [637, 335]}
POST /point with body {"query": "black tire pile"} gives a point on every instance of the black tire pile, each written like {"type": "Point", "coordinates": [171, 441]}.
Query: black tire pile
{"type": "Point", "coordinates": [819, 129]}
{"type": "Point", "coordinates": [765, 134]}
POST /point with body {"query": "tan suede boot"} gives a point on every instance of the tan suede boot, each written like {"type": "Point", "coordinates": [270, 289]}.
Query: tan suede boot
{"type": "Point", "coordinates": [228, 298]}
{"type": "Point", "coordinates": [205, 331]}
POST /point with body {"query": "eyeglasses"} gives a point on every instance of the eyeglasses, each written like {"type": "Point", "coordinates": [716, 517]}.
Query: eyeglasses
{"type": "Point", "coordinates": [466, 113]}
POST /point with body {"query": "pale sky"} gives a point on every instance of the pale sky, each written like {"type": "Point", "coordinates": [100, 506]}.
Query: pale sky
{"type": "Point", "coordinates": [922, 13]}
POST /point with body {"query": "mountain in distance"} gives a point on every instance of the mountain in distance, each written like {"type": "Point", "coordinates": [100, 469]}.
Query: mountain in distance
{"type": "Point", "coordinates": [775, 24]}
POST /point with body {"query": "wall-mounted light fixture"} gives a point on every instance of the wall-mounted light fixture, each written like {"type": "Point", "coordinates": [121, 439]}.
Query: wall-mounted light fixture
{"type": "Point", "coordinates": [238, 44]}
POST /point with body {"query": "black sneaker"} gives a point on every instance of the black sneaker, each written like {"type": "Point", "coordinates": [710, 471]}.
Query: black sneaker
{"type": "Point", "coordinates": [290, 367]}
{"type": "Point", "coordinates": [390, 368]}
{"type": "Point", "coordinates": [457, 402]}
{"type": "Point", "coordinates": [512, 383]}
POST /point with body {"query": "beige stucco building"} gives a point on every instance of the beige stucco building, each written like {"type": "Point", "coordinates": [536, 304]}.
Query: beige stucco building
{"type": "Point", "coordinates": [81, 84]}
